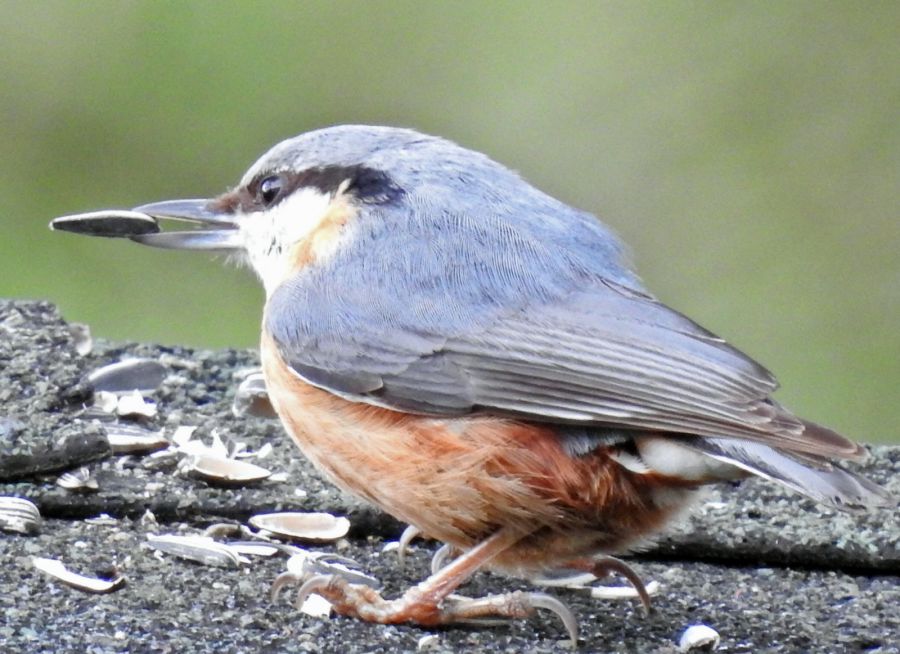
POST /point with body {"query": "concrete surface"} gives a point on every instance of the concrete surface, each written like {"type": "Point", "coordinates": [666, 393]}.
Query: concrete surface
{"type": "Point", "coordinates": [770, 571]}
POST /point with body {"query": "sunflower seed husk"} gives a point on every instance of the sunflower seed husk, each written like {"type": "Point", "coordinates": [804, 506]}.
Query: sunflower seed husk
{"type": "Point", "coordinates": [563, 579]}
{"type": "Point", "coordinates": [128, 439]}
{"type": "Point", "coordinates": [133, 404]}
{"type": "Point", "coordinates": [111, 223]}
{"type": "Point", "coordinates": [57, 570]}
{"type": "Point", "coordinates": [81, 338]}
{"type": "Point", "coordinates": [198, 548]}
{"type": "Point", "coordinates": [314, 527]}
{"type": "Point", "coordinates": [304, 563]}
{"type": "Point", "coordinates": [428, 642]}
{"type": "Point", "coordinates": [102, 520]}
{"type": "Point", "coordinates": [622, 592]}
{"type": "Point", "coordinates": [253, 548]}
{"type": "Point", "coordinates": [19, 515]}
{"type": "Point", "coordinates": [252, 398]}
{"type": "Point", "coordinates": [106, 402]}
{"type": "Point", "coordinates": [697, 638]}
{"type": "Point", "coordinates": [141, 374]}
{"type": "Point", "coordinates": [78, 480]}
{"type": "Point", "coordinates": [316, 606]}
{"type": "Point", "coordinates": [224, 470]}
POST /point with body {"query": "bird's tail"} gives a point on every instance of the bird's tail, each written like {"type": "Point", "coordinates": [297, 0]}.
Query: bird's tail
{"type": "Point", "coordinates": [808, 474]}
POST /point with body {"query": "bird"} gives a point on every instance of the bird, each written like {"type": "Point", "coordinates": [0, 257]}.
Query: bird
{"type": "Point", "coordinates": [481, 361]}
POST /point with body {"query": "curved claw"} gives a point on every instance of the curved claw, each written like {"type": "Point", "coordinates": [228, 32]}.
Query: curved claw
{"type": "Point", "coordinates": [611, 564]}
{"type": "Point", "coordinates": [405, 539]}
{"type": "Point", "coordinates": [550, 603]}
{"type": "Point", "coordinates": [311, 585]}
{"type": "Point", "coordinates": [439, 560]}
{"type": "Point", "coordinates": [282, 580]}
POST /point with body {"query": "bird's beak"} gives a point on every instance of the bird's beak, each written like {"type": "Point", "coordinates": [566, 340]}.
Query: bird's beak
{"type": "Point", "coordinates": [215, 230]}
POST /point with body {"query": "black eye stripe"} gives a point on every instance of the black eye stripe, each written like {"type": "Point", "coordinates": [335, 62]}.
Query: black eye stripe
{"type": "Point", "coordinates": [364, 183]}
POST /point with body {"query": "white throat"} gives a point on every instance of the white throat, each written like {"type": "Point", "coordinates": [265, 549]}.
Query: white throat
{"type": "Point", "coordinates": [269, 235]}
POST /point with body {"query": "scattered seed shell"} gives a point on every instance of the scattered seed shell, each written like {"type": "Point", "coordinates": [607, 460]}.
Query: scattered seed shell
{"type": "Point", "coordinates": [140, 374]}
{"type": "Point", "coordinates": [428, 642]}
{"type": "Point", "coordinates": [564, 579]}
{"type": "Point", "coordinates": [129, 439]}
{"type": "Point", "coordinates": [108, 223]}
{"type": "Point", "coordinates": [19, 515]}
{"type": "Point", "coordinates": [183, 434]}
{"type": "Point", "coordinates": [223, 470]}
{"type": "Point", "coordinates": [316, 606]}
{"type": "Point", "coordinates": [106, 401]}
{"type": "Point", "coordinates": [304, 563]}
{"type": "Point", "coordinates": [253, 548]}
{"type": "Point", "coordinates": [201, 549]}
{"type": "Point", "coordinates": [81, 338]}
{"type": "Point", "coordinates": [622, 592]}
{"type": "Point", "coordinates": [698, 638]}
{"type": "Point", "coordinates": [133, 404]}
{"type": "Point", "coordinates": [315, 527]}
{"type": "Point", "coordinates": [252, 398]}
{"type": "Point", "coordinates": [58, 571]}
{"type": "Point", "coordinates": [78, 480]}
{"type": "Point", "coordinates": [102, 520]}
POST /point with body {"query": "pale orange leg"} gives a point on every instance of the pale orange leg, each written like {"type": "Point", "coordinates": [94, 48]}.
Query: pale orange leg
{"type": "Point", "coordinates": [430, 602]}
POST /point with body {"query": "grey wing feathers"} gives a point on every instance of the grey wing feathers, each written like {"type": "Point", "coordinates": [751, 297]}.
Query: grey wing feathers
{"type": "Point", "coordinates": [606, 364]}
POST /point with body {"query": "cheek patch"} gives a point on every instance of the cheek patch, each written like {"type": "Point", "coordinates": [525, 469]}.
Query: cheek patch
{"type": "Point", "coordinates": [322, 241]}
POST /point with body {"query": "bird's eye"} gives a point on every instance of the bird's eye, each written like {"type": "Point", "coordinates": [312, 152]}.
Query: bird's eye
{"type": "Point", "coordinates": [270, 189]}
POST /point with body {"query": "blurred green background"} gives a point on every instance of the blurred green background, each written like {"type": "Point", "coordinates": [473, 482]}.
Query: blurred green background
{"type": "Point", "coordinates": [748, 151]}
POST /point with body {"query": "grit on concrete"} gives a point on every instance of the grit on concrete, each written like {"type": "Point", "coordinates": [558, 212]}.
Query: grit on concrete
{"type": "Point", "coordinates": [770, 571]}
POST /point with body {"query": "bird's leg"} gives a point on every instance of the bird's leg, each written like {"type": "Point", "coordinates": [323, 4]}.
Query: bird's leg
{"type": "Point", "coordinates": [430, 602]}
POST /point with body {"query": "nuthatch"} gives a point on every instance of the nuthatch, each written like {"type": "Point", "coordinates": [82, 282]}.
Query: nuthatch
{"type": "Point", "coordinates": [478, 359]}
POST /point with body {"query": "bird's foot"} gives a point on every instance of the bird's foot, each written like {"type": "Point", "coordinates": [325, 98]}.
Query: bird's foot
{"type": "Point", "coordinates": [421, 606]}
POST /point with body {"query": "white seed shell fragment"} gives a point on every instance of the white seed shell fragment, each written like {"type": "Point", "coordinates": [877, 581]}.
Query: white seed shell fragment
{"type": "Point", "coordinates": [253, 548]}
{"type": "Point", "coordinates": [102, 520]}
{"type": "Point", "coordinates": [223, 470]}
{"type": "Point", "coordinates": [128, 439]}
{"type": "Point", "coordinates": [252, 398]}
{"type": "Point", "coordinates": [315, 527]}
{"type": "Point", "coordinates": [183, 434]}
{"type": "Point", "coordinates": [58, 571]}
{"type": "Point", "coordinates": [134, 404]}
{"type": "Point", "coordinates": [304, 563]}
{"type": "Point", "coordinates": [316, 606]}
{"type": "Point", "coordinates": [19, 515]}
{"type": "Point", "coordinates": [622, 592]}
{"type": "Point", "coordinates": [198, 548]}
{"type": "Point", "coordinates": [81, 338]}
{"type": "Point", "coordinates": [563, 579]}
{"type": "Point", "coordinates": [80, 479]}
{"type": "Point", "coordinates": [140, 374]}
{"type": "Point", "coordinates": [698, 638]}
{"type": "Point", "coordinates": [106, 401]}
{"type": "Point", "coordinates": [428, 642]}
